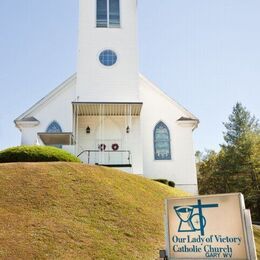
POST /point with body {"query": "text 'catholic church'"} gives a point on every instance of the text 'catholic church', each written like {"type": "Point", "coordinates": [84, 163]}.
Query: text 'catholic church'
{"type": "Point", "coordinates": [107, 113]}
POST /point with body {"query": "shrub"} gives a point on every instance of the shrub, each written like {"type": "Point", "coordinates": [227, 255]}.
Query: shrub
{"type": "Point", "coordinates": [36, 154]}
{"type": "Point", "coordinates": [171, 184]}
{"type": "Point", "coordinates": [166, 182]}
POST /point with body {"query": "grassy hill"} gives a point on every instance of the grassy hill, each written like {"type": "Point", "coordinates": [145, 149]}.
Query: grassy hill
{"type": "Point", "coordinates": [74, 211]}
{"type": "Point", "coordinates": [257, 240]}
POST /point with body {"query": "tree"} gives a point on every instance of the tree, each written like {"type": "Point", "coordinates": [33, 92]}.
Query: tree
{"type": "Point", "coordinates": [206, 173]}
{"type": "Point", "coordinates": [240, 123]}
{"type": "Point", "coordinates": [236, 168]}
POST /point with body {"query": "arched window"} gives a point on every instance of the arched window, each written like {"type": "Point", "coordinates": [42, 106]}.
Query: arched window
{"type": "Point", "coordinates": [162, 142]}
{"type": "Point", "coordinates": [54, 127]}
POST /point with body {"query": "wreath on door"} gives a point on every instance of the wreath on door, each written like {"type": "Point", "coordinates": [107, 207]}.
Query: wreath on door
{"type": "Point", "coordinates": [102, 147]}
{"type": "Point", "coordinates": [115, 147]}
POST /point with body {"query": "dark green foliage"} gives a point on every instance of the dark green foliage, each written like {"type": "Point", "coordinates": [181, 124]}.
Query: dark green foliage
{"type": "Point", "coordinates": [171, 184]}
{"type": "Point", "coordinates": [166, 182]}
{"type": "Point", "coordinates": [36, 154]}
{"type": "Point", "coordinates": [240, 123]}
{"type": "Point", "coordinates": [236, 167]}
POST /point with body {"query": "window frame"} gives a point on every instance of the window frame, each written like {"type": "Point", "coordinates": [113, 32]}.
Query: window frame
{"type": "Point", "coordinates": [114, 52]}
{"type": "Point", "coordinates": [156, 158]}
{"type": "Point", "coordinates": [108, 16]}
{"type": "Point", "coordinates": [97, 14]}
{"type": "Point", "coordinates": [58, 126]}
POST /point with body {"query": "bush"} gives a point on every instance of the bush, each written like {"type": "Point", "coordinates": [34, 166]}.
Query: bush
{"type": "Point", "coordinates": [36, 154]}
{"type": "Point", "coordinates": [163, 181]}
{"type": "Point", "coordinates": [171, 184]}
{"type": "Point", "coordinates": [166, 182]}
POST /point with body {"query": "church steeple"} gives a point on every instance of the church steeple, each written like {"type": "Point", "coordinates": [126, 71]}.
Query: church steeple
{"type": "Point", "coordinates": [108, 55]}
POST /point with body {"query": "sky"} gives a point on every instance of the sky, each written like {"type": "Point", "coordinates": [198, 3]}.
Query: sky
{"type": "Point", "coordinates": [205, 54]}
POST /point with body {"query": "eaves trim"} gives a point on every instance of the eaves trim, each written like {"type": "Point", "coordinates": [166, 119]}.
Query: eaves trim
{"type": "Point", "coordinates": [171, 100]}
{"type": "Point", "coordinates": [46, 98]}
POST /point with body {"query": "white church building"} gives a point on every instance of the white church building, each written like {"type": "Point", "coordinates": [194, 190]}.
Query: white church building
{"type": "Point", "coordinates": [107, 113]}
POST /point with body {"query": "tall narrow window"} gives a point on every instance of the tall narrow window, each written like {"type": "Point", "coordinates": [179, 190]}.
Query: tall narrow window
{"type": "Point", "coordinates": [114, 13]}
{"type": "Point", "coordinates": [162, 142]}
{"type": "Point", "coordinates": [108, 13]}
{"type": "Point", "coordinates": [101, 13]}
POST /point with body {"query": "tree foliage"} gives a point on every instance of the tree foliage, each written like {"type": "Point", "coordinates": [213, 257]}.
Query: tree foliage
{"type": "Point", "coordinates": [236, 167]}
{"type": "Point", "coordinates": [240, 124]}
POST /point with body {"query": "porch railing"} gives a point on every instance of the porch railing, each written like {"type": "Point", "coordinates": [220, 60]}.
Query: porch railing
{"type": "Point", "coordinates": [120, 158]}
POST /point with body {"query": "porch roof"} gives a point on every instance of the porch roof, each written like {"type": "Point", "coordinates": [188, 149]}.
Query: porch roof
{"type": "Point", "coordinates": [56, 138]}
{"type": "Point", "coordinates": [107, 108]}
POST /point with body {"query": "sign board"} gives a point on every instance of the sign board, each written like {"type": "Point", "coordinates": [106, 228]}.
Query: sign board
{"type": "Point", "coordinates": [206, 227]}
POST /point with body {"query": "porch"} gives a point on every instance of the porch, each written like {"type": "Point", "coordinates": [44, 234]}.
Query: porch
{"type": "Point", "coordinates": [106, 133]}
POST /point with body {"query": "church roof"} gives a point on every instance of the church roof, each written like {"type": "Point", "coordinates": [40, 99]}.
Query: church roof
{"type": "Point", "coordinates": [27, 117]}
{"type": "Point", "coordinates": [107, 108]}
{"type": "Point", "coordinates": [27, 121]}
{"type": "Point", "coordinates": [186, 112]}
{"type": "Point", "coordinates": [186, 119]}
{"type": "Point", "coordinates": [53, 93]}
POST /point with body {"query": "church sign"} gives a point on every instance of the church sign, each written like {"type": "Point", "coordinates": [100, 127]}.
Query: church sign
{"type": "Point", "coordinates": [203, 227]}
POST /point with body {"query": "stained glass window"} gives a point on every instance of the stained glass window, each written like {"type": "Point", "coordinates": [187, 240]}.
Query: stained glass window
{"type": "Point", "coordinates": [162, 142]}
{"type": "Point", "coordinates": [54, 127]}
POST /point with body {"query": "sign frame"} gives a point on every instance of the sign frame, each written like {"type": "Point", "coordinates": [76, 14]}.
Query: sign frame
{"type": "Point", "coordinates": [245, 220]}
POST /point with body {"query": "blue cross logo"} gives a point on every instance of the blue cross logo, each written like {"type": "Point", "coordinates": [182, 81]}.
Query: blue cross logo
{"type": "Point", "coordinates": [191, 217]}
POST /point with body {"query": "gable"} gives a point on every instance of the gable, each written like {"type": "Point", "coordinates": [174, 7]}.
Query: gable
{"type": "Point", "coordinates": [186, 116]}
{"type": "Point", "coordinates": [145, 83]}
{"type": "Point", "coordinates": [71, 81]}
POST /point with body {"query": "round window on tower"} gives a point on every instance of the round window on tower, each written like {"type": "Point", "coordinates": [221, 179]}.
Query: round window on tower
{"type": "Point", "coordinates": [108, 57]}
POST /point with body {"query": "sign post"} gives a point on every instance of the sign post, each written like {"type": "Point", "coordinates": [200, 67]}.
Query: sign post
{"type": "Point", "coordinates": [204, 227]}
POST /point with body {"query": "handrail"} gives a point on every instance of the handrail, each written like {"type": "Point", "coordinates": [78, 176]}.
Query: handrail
{"type": "Point", "coordinates": [107, 152]}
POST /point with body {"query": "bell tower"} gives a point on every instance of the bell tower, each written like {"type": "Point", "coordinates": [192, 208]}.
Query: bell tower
{"type": "Point", "coordinates": [107, 68]}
